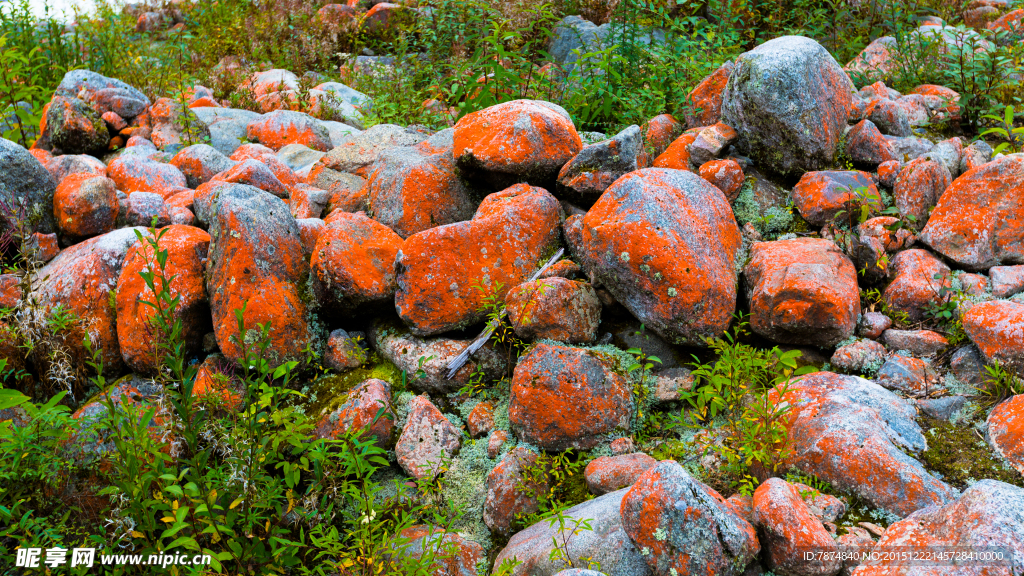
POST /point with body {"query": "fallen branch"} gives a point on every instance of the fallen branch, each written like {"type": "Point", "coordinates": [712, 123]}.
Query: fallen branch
{"type": "Point", "coordinates": [459, 361]}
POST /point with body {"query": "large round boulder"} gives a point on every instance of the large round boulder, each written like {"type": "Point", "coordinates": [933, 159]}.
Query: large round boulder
{"type": "Point", "coordinates": [25, 185]}
{"type": "Point", "coordinates": [789, 100]}
{"type": "Point", "coordinates": [664, 243]}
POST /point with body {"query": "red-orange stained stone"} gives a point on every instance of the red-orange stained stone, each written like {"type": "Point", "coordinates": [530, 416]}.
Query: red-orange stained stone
{"type": "Point", "coordinates": [186, 248]}
{"type": "Point", "coordinates": [677, 155]}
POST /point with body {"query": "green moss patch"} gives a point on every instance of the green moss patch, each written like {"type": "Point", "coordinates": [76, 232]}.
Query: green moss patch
{"type": "Point", "coordinates": [962, 457]}
{"type": "Point", "coordinates": [329, 392]}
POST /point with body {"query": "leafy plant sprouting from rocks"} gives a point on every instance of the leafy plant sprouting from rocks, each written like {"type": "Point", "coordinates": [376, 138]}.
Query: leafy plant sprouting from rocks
{"type": "Point", "coordinates": [872, 300]}
{"type": "Point", "coordinates": [1001, 382]}
{"type": "Point", "coordinates": [644, 363]}
{"type": "Point", "coordinates": [734, 390]}
{"type": "Point", "coordinates": [1004, 129]}
{"type": "Point", "coordinates": [21, 96]}
{"type": "Point", "coordinates": [557, 483]}
{"type": "Point", "coordinates": [943, 310]}
{"type": "Point", "coordinates": [560, 541]}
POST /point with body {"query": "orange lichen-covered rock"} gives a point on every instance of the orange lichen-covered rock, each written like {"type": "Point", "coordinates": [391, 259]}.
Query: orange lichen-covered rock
{"type": "Point", "coordinates": [710, 143]}
{"type": "Point", "coordinates": [566, 397]}
{"type": "Point", "coordinates": [659, 132]}
{"type": "Point", "coordinates": [1006, 430]}
{"type": "Point", "coordinates": [384, 16]}
{"type": "Point", "coordinates": [61, 166]}
{"type": "Point", "coordinates": [427, 439]}
{"type": "Point", "coordinates": [140, 174]}
{"type": "Point", "coordinates": [512, 231]}
{"type": "Point", "coordinates": [85, 205]}
{"type": "Point", "coordinates": [358, 411]}
{"type": "Point", "coordinates": [789, 100]}
{"type": "Point", "coordinates": [357, 154]}
{"type": "Point", "coordinates": [725, 174]}
{"type": "Point", "coordinates": [353, 265]}
{"type": "Point", "coordinates": [253, 173]}
{"type": "Point", "coordinates": [451, 554]}
{"type": "Point", "coordinates": [856, 435]}
{"type": "Point", "coordinates": [266, 82]}
{"type": "Point", "coordinates": [988, 514]}
{"type": "Point", "coordinates": [948, 98]}
{"type": "Point", "coordinates": [480, 421]}
{"type": "Point", "coordinates": [200, 163]}
{"type": "Point", "coordinates": [706, 98]}
{"type": "Point", "coordinates": [1009, 22]}
{"type": "Point", "coordinates": [217, 386]}
{"type": "Point", "coordinates": [92, 434]}
{"type": "Point", "coordinates": [80, 279]}
{"type": "Point", "coordinates": [919, 186]}
{"type": "Point", "coordinates": [610, 473]}
{"type": "Point", "coordinates": [979, 221]}
{"type": "Point", "coordinates": [787, 527]}
{"type": "Point", "coordinates": [256, 263]}
{"type": "Point", "coordinates": [282, 127]}
{"type": "Point", "coordinates": [187, 248]}
{"type": "Point", "coordinates": [554, 309]}
{"type": "Point", "coordinates": [866, 145]}
{"type": "Point", "coordinates": [877, 60]}
{"type": "Point", "coordinates": [802, 291]}
{"type": "Point", "coordinates": [872, 242]}
{"type": "Point", "coordinates": [997, 329]}
{"type": "Point", "coordinates": [506, 496]}
{"type": "Point", "coordinates": [685, 526]}
{"type": "Point", "coordinates": [415, 188]}
{"type": "Point", "coordinates": [515, 141]}
{"type": "Point", "coordinates": [266, 156]}
{"type": "Point", "coordinates": [663, 242]}
{"type": "Point", "coordinates": [819, 196]}
{"type": "Point", "coordinates": [915, 284]}
{"type": "Point", "coordinates": [677, 155]}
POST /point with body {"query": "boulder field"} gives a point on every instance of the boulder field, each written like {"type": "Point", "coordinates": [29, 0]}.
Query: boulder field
{"type": "Point", "coordinates": [347, 240]}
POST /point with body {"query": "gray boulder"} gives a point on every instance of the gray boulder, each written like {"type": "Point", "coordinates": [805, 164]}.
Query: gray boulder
{"type": "Point", "coordinates": [596, 166]}
{"type": "Point", "coordinates": [227, 126]}
{"type": "Point", "coordinates": [103, 94]}
{"type": "Point", "coordinates": [26, 185]}
{"type": "Point", "coordinates": [789, 100]}
{"type": "Point", "coordinates": [607, 543]}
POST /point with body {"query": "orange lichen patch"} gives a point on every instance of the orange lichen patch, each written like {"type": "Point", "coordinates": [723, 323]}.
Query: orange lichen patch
{"type": "Point", "coordinates": [610, 473]}
{"type": "Point", "coordinates": [919, 278]}
{"type": "Point", "coordinates": [186, 248]}
{"type": "Point", "coordinates": [1006, 430]}
{"type": "Point", "coordinates": [353, 264]}
{"type": "Point", "coordinates": [849, 432]}
{"type": "Point", "coordinates": [987, 514]}
{"type": "Point", "coordinates": [269, 158]}
{"type": "Point", "coordinates": [282, 127]}
{"type": "Point", "coordinates": [802, 291]}
{"type": "Point", "coordinates": [819, 196]}
{"type": "Point", "coordinates": [997, 329]}
{"type": "Point", "coordinates": [80, 279]}
{"type": "Point", "coordinates": [1009, 22]}
{"type": "Point", "coordinates": [256, 262]}
{"type": "Point", "coordinates": [412, 190]}
{"type": "Point", "coordinates": [181, 199]}
{"type": "Point", "coordinates": [788, 527]}
{"type": "Point", "coordinates": [566, 397]}
{"type": "Point", "coordinates": [706, 98]}
{"type": "Point", "coordinates": [504, 243]}
{"type": "Point", "coordinates": [381, 16]}
{"type": "Point", "coordinates": [518, 138]}
{"type": "Point", "coordinates": [919, 186]}
{"type": "Point", "coordinates": [677, 155]}
{"type": "Point", "coordinates": [85, 205]}
{"type": "Point", "coordinates": [215, 387]}
{"type": "Point", "coordinates": [663, 242]}
{"type": "Point", "coordinates": [877, 227]}
{"type": "Point", "coordinates": [659, 132]}
{"type": "Point", "coordinates": [262, 83]}
{"type": "Point", "coordinates": [867, 145]}
{"type": "Point", "coordinates": [951, 97]}
{"type": "Point", "coordinates": [555, 309]}
{"type": "Point", "coordinates": [481, 419]}
{"type": "Point", "coordinates": [979, 220]}
{"type": "Point", "coordinates": [204, 102]}
{"type": "Point", "coordinates": [42, 156]}
{"type": "Point", "coordinates": [138, 174]}
{"type": "Point", "coordinates": [253, 173]}
{"type": "Point", "coordinates": [661, 511]}
{"type": "Point", "coordinates": [726, 175]}
{"type": "Point", "coordinates": [357, 414]}
{"type": "Point", "coordinates": [510, 494]}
